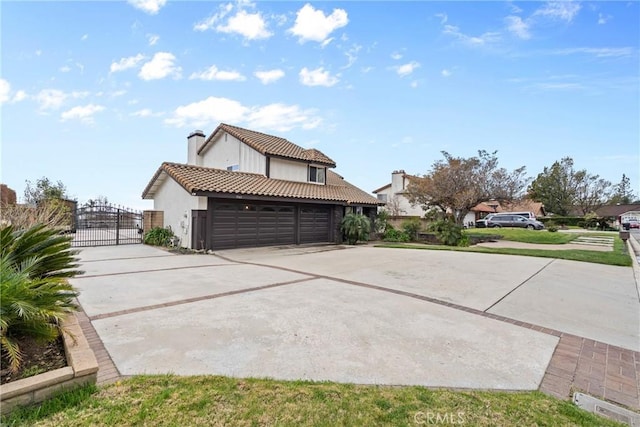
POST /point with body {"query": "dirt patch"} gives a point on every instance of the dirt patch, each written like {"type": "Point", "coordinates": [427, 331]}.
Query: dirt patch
{"type": "Point", "coordinates": [37, 358]}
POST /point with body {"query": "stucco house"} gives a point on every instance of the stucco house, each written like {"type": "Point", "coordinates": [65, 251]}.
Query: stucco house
{"type": "Point", "coordinates": [393, 196]}
{"type": "Point", "coordinates": [618, 214]}
{"type": "Point", "coordinates": [243, 188]}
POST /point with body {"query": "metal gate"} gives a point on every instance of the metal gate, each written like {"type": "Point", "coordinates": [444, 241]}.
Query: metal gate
{"type": "Point", "coordinates": [104, 225]}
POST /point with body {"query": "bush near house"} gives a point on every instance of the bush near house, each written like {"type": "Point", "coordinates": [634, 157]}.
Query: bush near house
{"type": "Point", "coordinates": [158, 236]}
{"type": "Point", "coordinates": [355, 227]}
{"type": "Point", "coordinates": [411, 227]}
{"type": "Point", "coordinates": [393, 235]}
{"type": "Point", "coordinates": [35, 296]}
{"type": "Point", "coordinates": [449, 233]}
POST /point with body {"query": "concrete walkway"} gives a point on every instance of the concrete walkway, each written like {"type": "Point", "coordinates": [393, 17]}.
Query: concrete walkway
{"type": "Point", "coordinates": [365, 315]}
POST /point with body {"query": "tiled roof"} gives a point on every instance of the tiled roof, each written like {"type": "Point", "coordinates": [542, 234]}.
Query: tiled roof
{"type": "Point", "coordinates": [197, 179]}
{"type": "Point", "coordinates": [269, 145]}
{"type": "Point", "coordinates": [616, 210]}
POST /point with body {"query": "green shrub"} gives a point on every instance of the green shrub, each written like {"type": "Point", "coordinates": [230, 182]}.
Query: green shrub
{"type": "Point", "coordinates": [552, 227]}
{"type": "Point", "coordinates": [449, 233]}
{"type": "Point", "coordinates": [35, 296]}
{"type": "Point", "coordinates": [411, 227]}
{"type": "Point", "coordinates": [355, 227]}
{"type": "Point", "coordinates": [158, 236]}
{"type": "Point", "coordinates": [562, 220]}
{"type": "Point", "coordinates": [393, 235]}
{"type": "Point", "coordinates": [382, 222]}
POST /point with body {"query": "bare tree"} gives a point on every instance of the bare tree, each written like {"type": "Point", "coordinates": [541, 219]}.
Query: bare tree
{"type": "Point", "coordinates": [393, 206]}
{"type": "Point", "coordinates": [456, 184]}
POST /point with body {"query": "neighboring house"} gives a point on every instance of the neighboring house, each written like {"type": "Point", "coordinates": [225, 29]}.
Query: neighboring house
{"type": "Point", "coordinates": [394, 197]}
{"type": "Point", "coordinates": [242, 188]}
{"type": "Point", "coordinates": [618, 214]}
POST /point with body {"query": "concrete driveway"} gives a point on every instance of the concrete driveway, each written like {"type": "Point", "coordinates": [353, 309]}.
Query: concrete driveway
{"type": "Point", "coordinates": [350, 314]}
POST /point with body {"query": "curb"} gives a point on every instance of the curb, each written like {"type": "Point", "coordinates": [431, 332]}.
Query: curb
{"type": "Point", "coordinates": [634, 251]}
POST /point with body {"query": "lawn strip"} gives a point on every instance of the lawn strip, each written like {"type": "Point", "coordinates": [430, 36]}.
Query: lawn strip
{"type": "Point", "coordinates": [214, 400]}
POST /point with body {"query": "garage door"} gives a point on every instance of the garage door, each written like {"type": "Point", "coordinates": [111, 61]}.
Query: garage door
{"type": "Point", "coordinates": [244, 225]}
{"type": "Point", "coordinates": [314, 224]}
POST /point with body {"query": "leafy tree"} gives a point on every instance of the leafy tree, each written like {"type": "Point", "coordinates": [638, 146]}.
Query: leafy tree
{"type": "Point", "coordinates": [591, 191]}
{"type": "Point", "coordinates": [455, 185]}
{"type": "Point", "coordinates": [622, 192]}
{"type": "Point", "coordinates": [44, 189]}
{"type": "Point", "coordinates": [561, 189]}
{"type": "Point", "coordinates": [355, 227]}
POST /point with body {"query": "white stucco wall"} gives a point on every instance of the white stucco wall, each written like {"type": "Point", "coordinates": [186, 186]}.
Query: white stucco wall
{"type": "Point", "coordinates": [177, 204]}
{"type": "Point", "coordinates": [404, 205]}
{"type": "Point", "coordinates": [289, 170]}
{"type": "Point", "coordinates": [228, 151]}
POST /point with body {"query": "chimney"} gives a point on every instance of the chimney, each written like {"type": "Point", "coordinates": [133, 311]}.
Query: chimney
{"type": "Point", "coordinates": [397, 181]}
{"type": "Point", "coordinates": [194, 141]}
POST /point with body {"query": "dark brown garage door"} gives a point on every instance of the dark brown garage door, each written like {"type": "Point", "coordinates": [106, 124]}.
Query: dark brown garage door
{"type": "Point", "coordinates": [245, 225]}
{"type": "Point", "coordinates": [314, 224]}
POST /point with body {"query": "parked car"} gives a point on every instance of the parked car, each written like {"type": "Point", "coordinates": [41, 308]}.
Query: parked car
{"type": "Point", "coordinates": [482, 223]}
{"type": "Point", "coordinates": [497, 221]}
{"type": "Point", "coordinates": [631, 223]}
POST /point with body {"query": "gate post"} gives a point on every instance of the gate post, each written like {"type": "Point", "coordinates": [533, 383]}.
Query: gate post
{"type": "Point", "coordinates": [118, 226]}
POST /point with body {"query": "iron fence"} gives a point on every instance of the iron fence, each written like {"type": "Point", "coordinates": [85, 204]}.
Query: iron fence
{"type": "Point", "coordinates": [104, 225]}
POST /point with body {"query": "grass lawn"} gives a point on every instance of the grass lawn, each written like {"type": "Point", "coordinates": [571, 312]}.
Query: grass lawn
{"type": "Point", "coordinates": [212, 400]}
{"type": "Point", "coordinates": [618, 256]}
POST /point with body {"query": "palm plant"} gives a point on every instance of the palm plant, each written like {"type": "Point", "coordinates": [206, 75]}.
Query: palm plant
{"type": "Point", "coordinates": [34, 293]}
{"type": "Point", "coordinates": [355, 227]}
{"type": "Point", "coordinates": [55, 258]}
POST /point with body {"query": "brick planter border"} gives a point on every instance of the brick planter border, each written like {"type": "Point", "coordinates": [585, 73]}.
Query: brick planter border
{"type": "Point", "coordinates": [81, 369]}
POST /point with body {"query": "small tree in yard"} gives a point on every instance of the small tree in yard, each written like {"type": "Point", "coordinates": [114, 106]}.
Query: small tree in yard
{"type": "Point", "coordinates": [355, 227]}
{"type": "Point", "coordinates": [455, 185]}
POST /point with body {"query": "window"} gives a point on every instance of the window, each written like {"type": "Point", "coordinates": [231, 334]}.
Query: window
{"type": "Point", "coordinates": [382, 198]}
{"type": "Point", "coordinates": [316, 174]}
{"type": "Point", "coordinates": [233, 168]}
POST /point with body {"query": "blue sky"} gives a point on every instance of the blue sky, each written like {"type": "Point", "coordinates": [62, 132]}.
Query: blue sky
{"type": "Point", "coordinates": [99, 94]}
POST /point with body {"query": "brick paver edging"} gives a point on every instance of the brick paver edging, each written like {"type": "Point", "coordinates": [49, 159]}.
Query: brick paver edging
{"type": "Point", "coordinates": [107, 370]}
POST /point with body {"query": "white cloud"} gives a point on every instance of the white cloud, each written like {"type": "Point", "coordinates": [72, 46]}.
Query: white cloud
{"type": "Point", "coordinates": [445, 73]}
{"type": "Point", "coordinates": [518, 27]}
{"type": "Point", "coordinates": [279, 117]}
{"type": "Point", "coordinates": [406, 69]}
{"type": "Point", "coordinates": [84, 113]}
{"type": "Point", "coordinates": [269, 76]}
{"type": "Point", "coordinates": [317, 77]}
{"type": "Point", "coordinates": [312, 24]}
{"type": "Point", "coordinates": [562, 10]}
{"type": "Point", "coordinates": [396, 55]}
{"type": "Point", "coordinates": [282, 118]}
{"type": "Point", "coordinates": [153, 39]}
{"type": "Point", "coordinates": [603, 19]}
{"type": "Point", "coordinates": [213, 73]}
{"type": "Point", "coordinates": [65, 69]}
{"type": "Point", "coordinates": [482, 40]}
{"type": "Point", "coordinates": [600, 52]}
{"type": "Point", "coordinates": [211, 21]}
{"type": "Point", "coordinates": [210, 110]}
{"type": "Point", "coordinates": [443, 18]}
{"type": "Point", "coordinates": [560, 86]}
{"type": "Point", "coordinates": [352, 55]}
{"type": "Point", "coordinates": [19, 96]}
{"type": "Point", "coordinates": [161, 65]}
{"type": "Point", "coordinates": [84, 37]}
{"type": "Point", "coordinates": [249, 25]}
{"type": "Point", "coordinates": [5, 90]}
{"type": "Point", "coordinates": [145, 112]}
{"type": "Point", "coordinates": [53, 99]}
{"type": "Point", "coordinates": [126, 63]}
{"type": "Point", "coordinates": [148, 6]}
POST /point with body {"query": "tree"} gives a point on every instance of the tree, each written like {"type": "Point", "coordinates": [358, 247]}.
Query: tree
{"type": "Point", "coordinates": [562, 189]}
{"type": "Point", "coordinates": [591, 191]}
{"type": "Point", "coordinates": [393, 206]}
{"type": "Point", "coordinates": [44, 189]}
{"type": "Point", "coordinates": [622, 193]}
{"type": "Point", "coordinates": [355, 227]}
{"type": "Point", "coordinates": [455, 185]}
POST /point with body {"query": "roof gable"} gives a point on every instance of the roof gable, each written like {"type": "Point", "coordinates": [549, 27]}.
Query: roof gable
{"type": "Point", "coordinates": [198, 180]}
{"type": "Point", "coordinates": [269, 145]}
